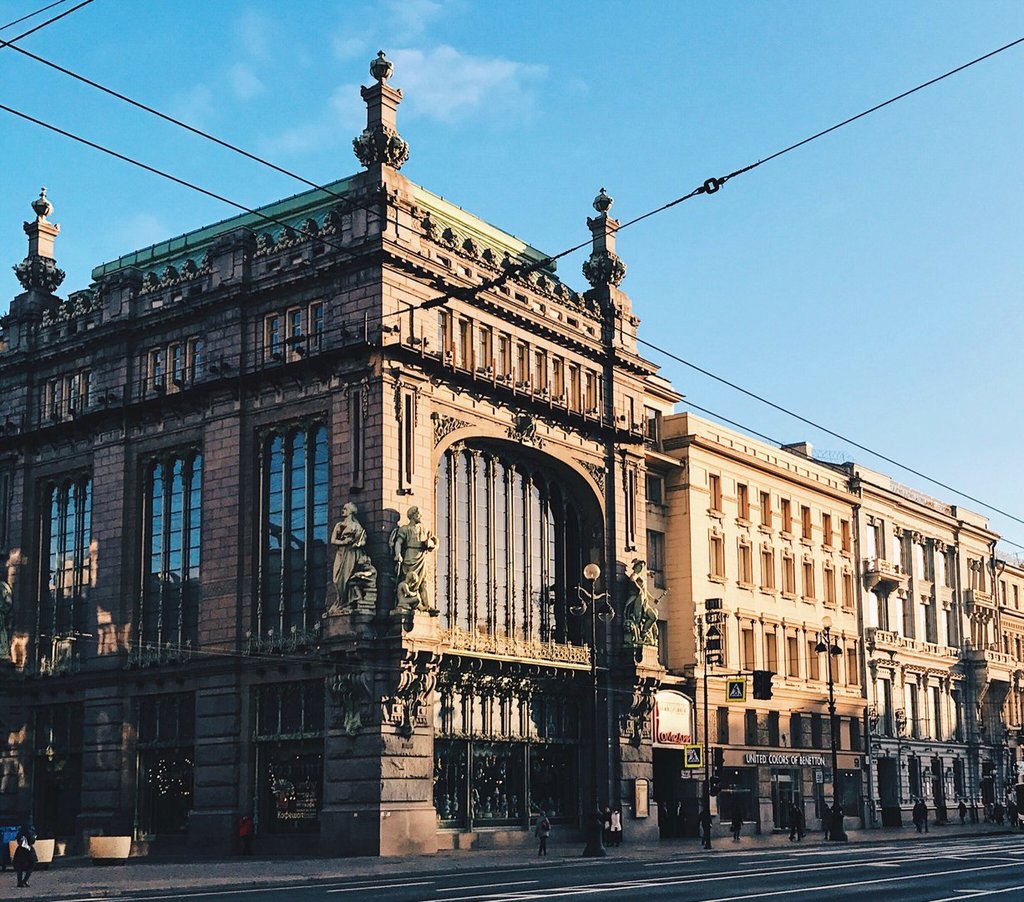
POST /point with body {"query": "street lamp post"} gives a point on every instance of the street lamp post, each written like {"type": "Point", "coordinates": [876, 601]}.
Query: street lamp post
{"type": "Point", "coordinates": [828, 645]}
{"type": "Point", "coordinates": [599, 607]}
{"type": "Point", "coordinates": [710, 639]}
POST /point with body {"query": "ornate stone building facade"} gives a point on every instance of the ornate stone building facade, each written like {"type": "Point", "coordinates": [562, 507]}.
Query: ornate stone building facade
{"type": "Point", "coordinates": [296, 513]}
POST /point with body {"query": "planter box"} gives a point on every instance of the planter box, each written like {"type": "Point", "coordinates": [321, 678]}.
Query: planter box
{"type": "Point", "coordinates": [105, 850]}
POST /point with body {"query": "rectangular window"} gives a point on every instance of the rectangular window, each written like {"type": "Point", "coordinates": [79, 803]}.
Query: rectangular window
{"type": "Point", "coordinates": [652, 431]}
{"type": "Point", "coordinates": [847, 590]}
{"type": "Point", "coordinates": [574, 387]}
{"type": "Point", "coordinates": [591, 402]}
{"type": "Point", "coordinates": [655, 489]}
{"type": "Point", "coordinates": [808, 572]}
{"type": "Point", "coordinates": [715, 491]}
{"type": "Point", "coordinates": [826, 529]}
{"type": "Point", "coordinates": [722, 726]}
{"type": "Point", "coordinates": [766, 509]}
{"type": "Point", "coordinates": [817, 738]}
{"type": "Point", "coordinates": [885, 711]}
{"type": "Point", "coordinates": [522, 365]}
{"type": "Point", "coordinates": [176, 364]}
{"type": "Point", "coordinates": [156, 369]}
{"type": "Point", "coordinates": [485, 358]}
{"type": "Point", "coordinates": [357, 436]}
{"type": "Point", "coordinates": [787, 514]}
{"type": "Point", "coordinates": [828, 578]}
{"type": "Point", "coordinates": [796, 731]}
{"type": "Point", "coordinates": [856, 735]}
{"type": "Point", "coordinates": [913, 712]}
{"type": "Point", "coordinates": [504, 356]}
{"type": "Point", "coordinates": [540, 371]}
{"type": "Point", "coordinates": [792, 656]}
{"type": "Point", "coordinates": [408, 440]}
{"type": "Point", "coordinates": [747, 648]}
{"type": "Point", "coordinates": [465, 349]}
{"type": "Point", "coordinates": [914, 774]}
{"type": "Point", "coordinates": [656, 557]}
{"type": "Point", "coordinates": [845, 536]}
{"type": "Point", "coordinates": [558, 379]}
{"type": "Point", "coordinates": [196, 359]}
{"type": "Point", "coordinates": [273, 336]}
{"type": "Point", "coordinates": [745, 568]}
{"type": "Point", "coordinates": [767, 568]}
{"type": "Point", "coordinates": [788, 573]}
{"type": "Point", "coordinates": [771, 651]}
{"type": "Point", "coordinates": [806, 530]}
{"type": "Point", "coordinates": [717, 562]}
{"type": "Point", "coordinates": [315, 339]}
{"type": "Point", "coordinates": [813, 660]}
{"type": "Point", "coordinates": [773, 729]}
{"type": "Point", "coordinates": [750, 727]}
{"type": "Point", "coordinates": [445, 337]}
{"type": "Point", "coordinates": [165, 731]}
{"type": "Point", "coordinates": [742, 501]}
{"type": "Point", "coordinates": [936, 713]}
{"type": "Point", "coordinates": [852, 667]}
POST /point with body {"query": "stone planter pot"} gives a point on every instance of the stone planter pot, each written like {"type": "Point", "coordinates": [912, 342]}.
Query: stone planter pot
{"type": "Point", "coordinates": [105, 850]}
{"type": "Point", "coordinates": [44, 853]}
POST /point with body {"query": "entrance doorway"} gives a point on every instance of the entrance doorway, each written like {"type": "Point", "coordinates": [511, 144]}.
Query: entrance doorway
{"type": "Point", "coordinates": [939, 791]}
{"type": "Point", "coordinates": [785, 793]}
{"type": "Point", "coordinates": [677, 794]}
{"type": "Point", "coordinates": [889, 792]}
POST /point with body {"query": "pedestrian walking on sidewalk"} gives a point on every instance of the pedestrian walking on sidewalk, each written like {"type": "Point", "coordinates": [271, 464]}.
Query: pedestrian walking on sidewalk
{"type": "Point", "coordinates": [796, 822]}
{"type": "Point", "coordinates": [616, 830]}
{"type": "Point", "coordinates": [826, 822]}
{"type": "Point", "coordinates": [542, 832]}
{"type": "Point", "coordinates": [1011, 814]}
{"type": "Point", "coordinates": [962, 809]}
{"type": "Point", "coordinates": [24, 855]}
{"type": "Point", "coordinates": [246, 828]}
{"type": "Point", "coordinates": [737, 824]}
{"type": "Point", "coordinates": [705, 827]}
{"type": "Point", "coordinates": [921, 816]}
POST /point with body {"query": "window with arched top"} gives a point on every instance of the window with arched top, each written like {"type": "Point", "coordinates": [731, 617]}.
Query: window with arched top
{"type": "Point", "coordinates": [510, 548]}
{"type": "Point", "coordinates": [66, 562]}
{"type": "Point", "coordinates": [172, 536]}
{"type": "Point", "coordinates": [292, 578]}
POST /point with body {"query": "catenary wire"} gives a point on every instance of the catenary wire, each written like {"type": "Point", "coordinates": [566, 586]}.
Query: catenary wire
{"type": "Point", "coordinates": [42, 25]}
{"type": "Point", "coordinates": [32, 14]}
{"type": "Point", "coordinates": [710, 186]}
{"type": "Point", "coordinates": [815, 425]}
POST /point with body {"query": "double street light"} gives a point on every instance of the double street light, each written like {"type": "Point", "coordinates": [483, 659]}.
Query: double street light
{"type": "Point", "coordinates": [598, 605]}
{"type": "Point", "coordinates": [827, 644]}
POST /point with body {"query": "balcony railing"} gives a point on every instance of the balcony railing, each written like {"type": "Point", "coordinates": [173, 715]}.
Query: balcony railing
{"type": "Point", "coordinates": [878, 571]}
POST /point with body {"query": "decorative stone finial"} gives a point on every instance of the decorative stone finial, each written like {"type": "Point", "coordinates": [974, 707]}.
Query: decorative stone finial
{"type": "Point", "coordinates": [41, 205]}
{"type": "Point", "coordinates": [380, 142]}
{"type": "Point", "coordinates": [381, 68]}
{"type": "Point", "coordinates": [603, 202]}
{"type": "Point", "coordinates": [39, 271]}
{"type": "Point", "coordinates": [603, 267]}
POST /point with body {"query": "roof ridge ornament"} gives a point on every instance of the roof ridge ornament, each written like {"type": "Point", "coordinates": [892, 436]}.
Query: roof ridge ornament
{"type": "Point", "coordinates": [39, 270]}
{"type": "Point", "coordinates": [380, 143]}
{"type": "Point", "coordinates": [603, 266]}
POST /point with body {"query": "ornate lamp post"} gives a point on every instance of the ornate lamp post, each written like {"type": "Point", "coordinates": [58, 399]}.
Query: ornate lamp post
{"type": "Point", "coordinates": [599, 607]}
{"type": "Point", "coordinates": [828, 645]}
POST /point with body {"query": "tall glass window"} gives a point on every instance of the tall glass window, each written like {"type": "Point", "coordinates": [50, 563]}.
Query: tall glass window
{"type": "Point", "coordinates": [293, 530]}
{"type": "Point", "coordinates": [508, 551]}
{"type": "Point", "coordinates": [172, 526]}
{"type": "Point", "coordinates": [67, 569]}
{"type": "Point", "coordinates": [165, 727]}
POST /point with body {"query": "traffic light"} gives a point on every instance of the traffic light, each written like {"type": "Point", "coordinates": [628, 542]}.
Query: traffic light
{"type": "Point", "coordinates": [763, 683]}
{"type": "Point", "coordinates": [714, 785]}
{"type": "Point", "coordinates": [718, 758]}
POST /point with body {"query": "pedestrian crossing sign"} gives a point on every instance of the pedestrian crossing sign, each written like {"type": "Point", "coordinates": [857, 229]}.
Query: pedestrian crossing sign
{"type": "Point", "coordinates": [693, 756]}
{"type": "Point", "coordinates": [736, 689]}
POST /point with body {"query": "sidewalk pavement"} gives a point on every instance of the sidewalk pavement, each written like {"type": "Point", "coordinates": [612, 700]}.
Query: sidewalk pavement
{"type": "Point", "coordinates": [77, 878]}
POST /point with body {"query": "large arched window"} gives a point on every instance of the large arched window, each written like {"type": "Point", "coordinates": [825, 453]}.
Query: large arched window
{"type": "Point", "coordinates": [509, 548]}
{"type": "Point", "coordinates": [293, 530]}
{"type": "Point", "coordinates": [67, 566]}
{"type": "Point", "coordinates": [169, 605]}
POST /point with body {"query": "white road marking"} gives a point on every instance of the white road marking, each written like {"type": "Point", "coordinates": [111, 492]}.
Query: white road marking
{"type": "Point", "coordinates": [979, 892]}
{"type": "Point", "coordinates": [459, 889]}
{"type": "Point", "coordinates": [359, 889]}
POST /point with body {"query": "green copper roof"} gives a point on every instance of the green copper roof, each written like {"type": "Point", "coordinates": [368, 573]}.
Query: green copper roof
{"type": "Point", "coordinates": [294, 211]}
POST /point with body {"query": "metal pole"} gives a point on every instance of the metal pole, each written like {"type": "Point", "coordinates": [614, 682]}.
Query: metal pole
{"type": "Point", "coordinates": [592, 820]}
{"type": "Point", "coordinates": [706, 814]}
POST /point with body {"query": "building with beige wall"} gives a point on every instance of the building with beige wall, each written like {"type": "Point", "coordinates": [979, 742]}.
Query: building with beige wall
{"type": "Point", "coordinates": [769, 531]}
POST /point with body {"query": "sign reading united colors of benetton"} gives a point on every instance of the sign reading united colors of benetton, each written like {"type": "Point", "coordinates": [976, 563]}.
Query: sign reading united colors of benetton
{"type": "Point", "coordinates": [673, 719]}
{"type": "Point", "coordinates": [779, 758]}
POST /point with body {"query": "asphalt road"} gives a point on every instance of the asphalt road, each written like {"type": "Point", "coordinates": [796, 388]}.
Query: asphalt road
{"type": "Point", "coordinates": [990, 868]}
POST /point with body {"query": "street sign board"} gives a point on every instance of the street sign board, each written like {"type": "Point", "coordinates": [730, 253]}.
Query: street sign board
{"type": "Point", "coordinates": [693, 756]}
{"type": "Point", "coordinates": [736, 689]}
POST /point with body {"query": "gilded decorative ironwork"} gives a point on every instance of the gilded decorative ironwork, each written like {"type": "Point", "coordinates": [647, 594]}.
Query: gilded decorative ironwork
{"type": "Point", "coordinates": [155, 654]}
{"type": "Point", "coordinates": [515, 647]}
{"type": "Point", "coordinates": [275, 642]}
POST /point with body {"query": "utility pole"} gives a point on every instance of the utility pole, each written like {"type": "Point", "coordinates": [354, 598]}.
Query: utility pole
{"type": "Point", "coordinates": [711, 652]}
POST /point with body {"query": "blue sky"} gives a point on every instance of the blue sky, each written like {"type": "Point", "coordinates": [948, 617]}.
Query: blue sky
{"type": "Point", "coordinates": [871, 281]}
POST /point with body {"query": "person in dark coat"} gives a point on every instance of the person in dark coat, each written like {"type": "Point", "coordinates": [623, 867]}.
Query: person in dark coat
{"type": "Point", "coordinates": [921, 816]}
{"type": "Point", "coordinates": [1011, 814]}
{"type": "Point", "coordinates": [796, 822]}
{"type": "Point", "coordinates": [962, 809]}
{"type": "Point", "coordinates": [737, 824]}
{"type": "Point", "coordinates": [705, 827]}
{"type": "Point", "coordinates": [542, 832]}
{"type": "Point", "coordinates": [826, 822]}
{"type": "Point", "coordinates": [24, 855]}
{"type": "Point", "coordinates": [606, 826]}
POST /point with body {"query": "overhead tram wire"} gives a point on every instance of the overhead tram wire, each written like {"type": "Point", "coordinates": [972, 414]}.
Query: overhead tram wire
{"type": "Point", "coordinates": [33, 14]}
{"type": "Point", "coordinates": [42, 25]}
{"type": "Point", "coordinates": [710, 186]}
{"type": "Point", "coordinates": [815, 425]}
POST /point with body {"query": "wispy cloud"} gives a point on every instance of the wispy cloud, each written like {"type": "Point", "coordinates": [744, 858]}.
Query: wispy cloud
{"type": "Point", "coordinates": [348, 46]}
{"type": "Point", "coordinates": [342, 119]}
{"type": "Point", "coordinates": [245, 83]}
{"type": "Point", "coordinates": [194, 106]}
{"type": "Point", "coordinates": [410, 18]}
{"type": "Point", "coordinates": [255, 34]}
{"type": "Point", "coordinates": [442, 83]}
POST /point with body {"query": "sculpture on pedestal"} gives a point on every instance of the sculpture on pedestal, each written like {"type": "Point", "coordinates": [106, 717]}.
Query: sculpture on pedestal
{"type": "Point", "coordinates": [641, 613]}
{"type": "Point", "coordinates": [6, 617]}
{"type": "Point", "coordinates": [354, 575]}
{"type": "Point", "coordinates": [410, 545]}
